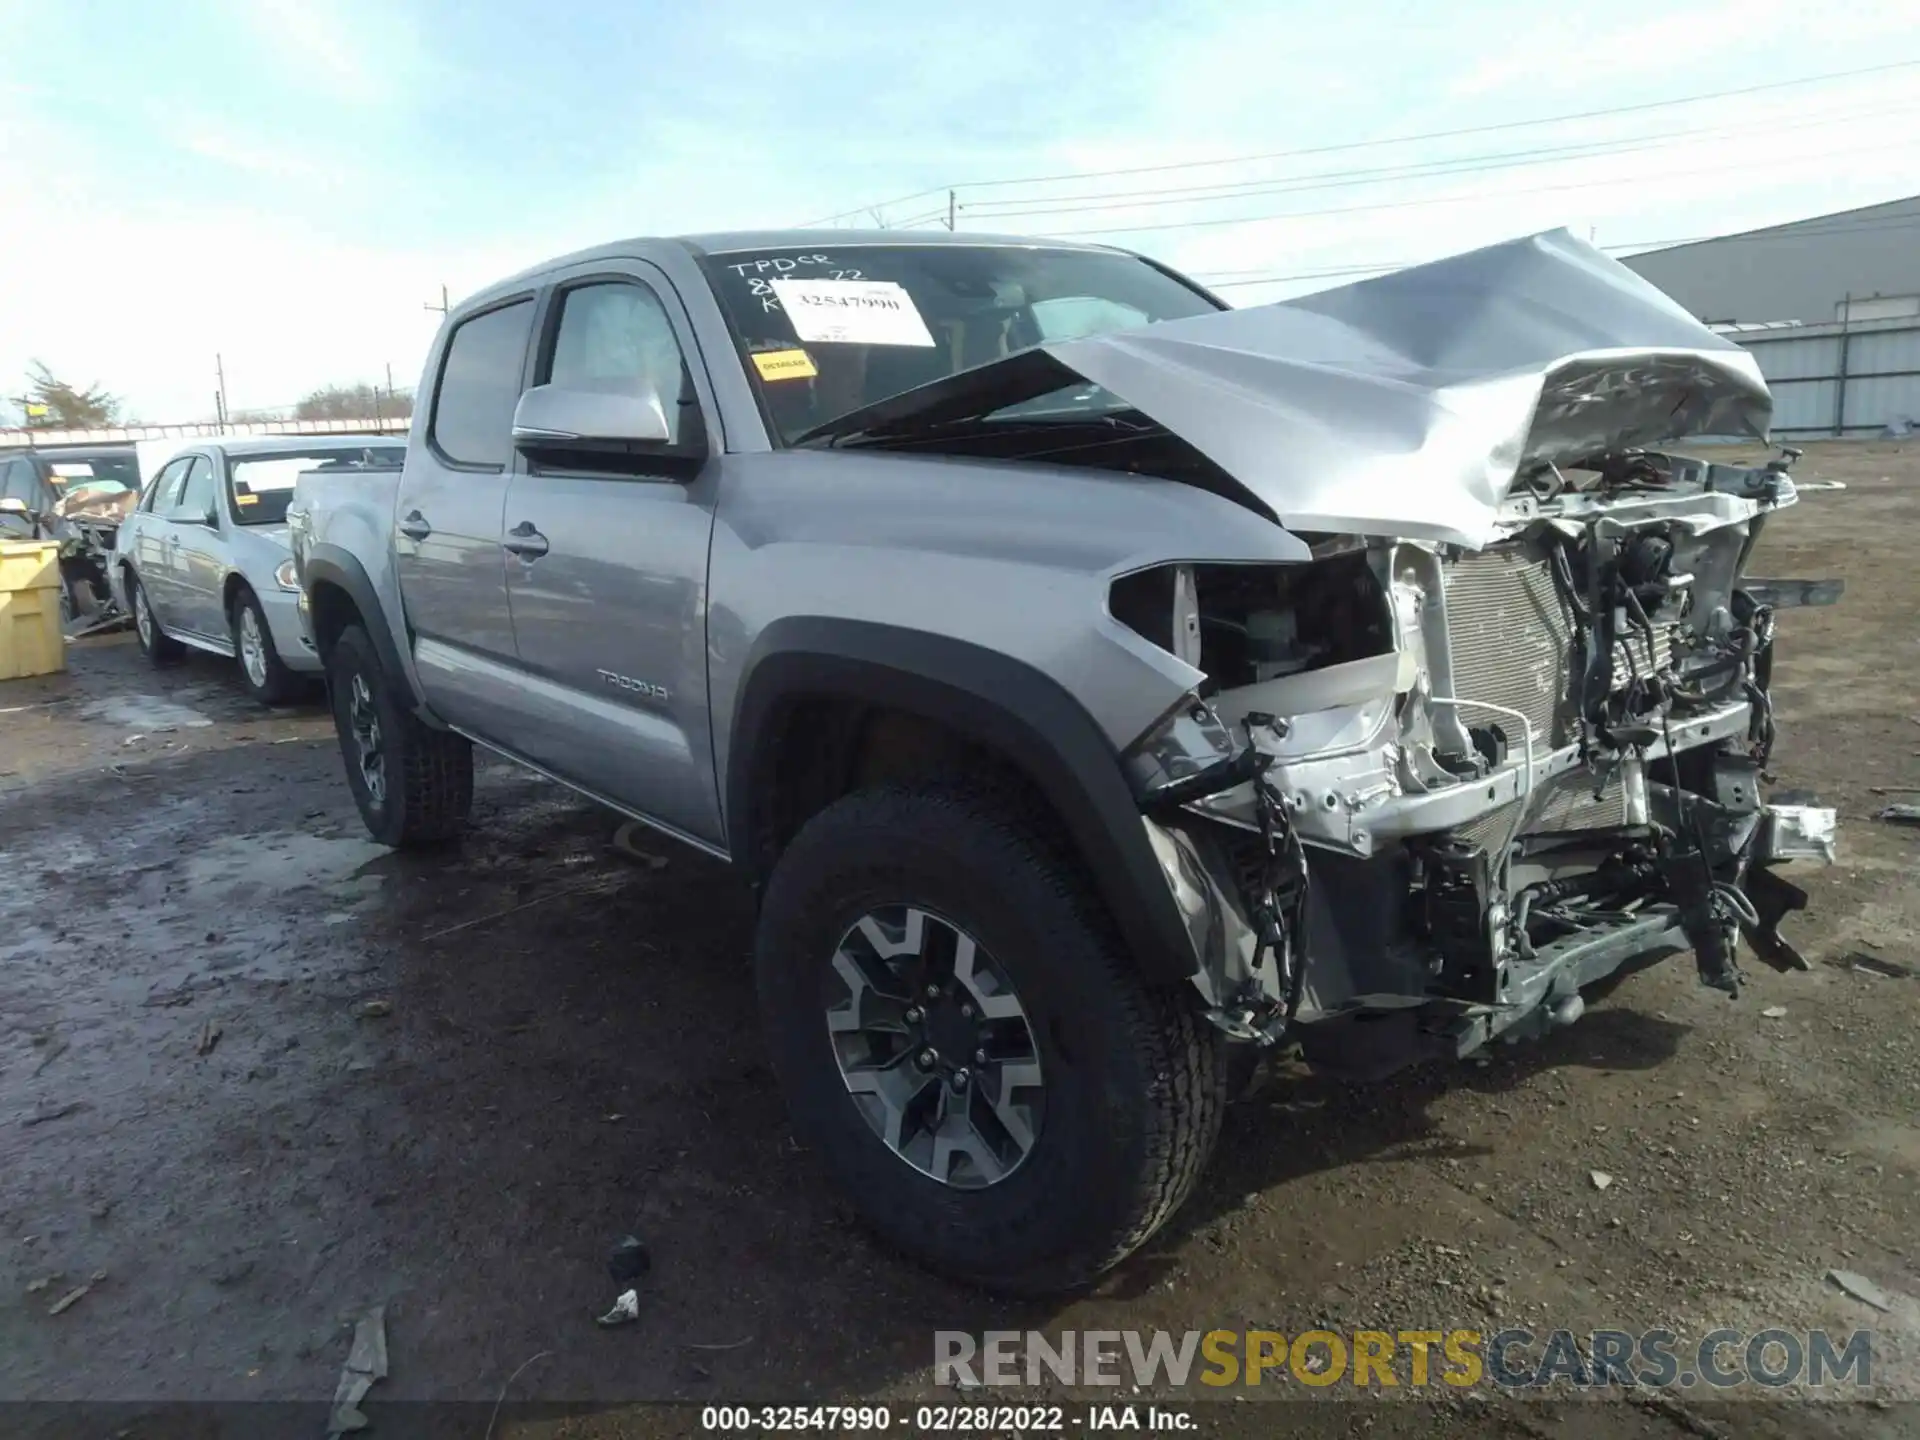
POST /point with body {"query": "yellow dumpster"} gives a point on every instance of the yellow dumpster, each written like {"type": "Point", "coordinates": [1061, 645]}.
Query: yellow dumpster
{"type": "Point", "coordinates": [31, 640]}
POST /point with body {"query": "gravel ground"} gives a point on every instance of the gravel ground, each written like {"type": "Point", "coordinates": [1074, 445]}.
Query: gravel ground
{"type": "Point", "coordinates": [260, 1075]}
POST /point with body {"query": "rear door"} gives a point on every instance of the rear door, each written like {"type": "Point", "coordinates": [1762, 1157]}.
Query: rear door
{"type": "Point", "coordinates": [447, 519]}
{"type": "Point", "coordinates": [607, 567]}
{"type": "Point", "coordinates": [197, 557]}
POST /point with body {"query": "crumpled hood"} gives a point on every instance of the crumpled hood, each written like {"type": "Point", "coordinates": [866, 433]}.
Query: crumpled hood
{"type": "Point", "coordinates": [1405, 405]}
{"type": "Point", "coordinates": [97, 503]}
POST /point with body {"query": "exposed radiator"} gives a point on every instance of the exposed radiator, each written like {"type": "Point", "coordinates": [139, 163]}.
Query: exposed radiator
{"type": "Point", "coordinates": [1512, 643]}
{"type": "Point", "coordinates": [1511, 638]}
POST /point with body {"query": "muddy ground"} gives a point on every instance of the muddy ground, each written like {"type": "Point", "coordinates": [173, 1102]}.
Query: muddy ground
{"type": "Point", "coordinates": [261, 1074]}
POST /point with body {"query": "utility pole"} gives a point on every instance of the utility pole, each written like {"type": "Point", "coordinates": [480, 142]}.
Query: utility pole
{"type": "Point", "coordinates": [442, 306]}
{"type": "Point", "coordinates": [952, 209]}
{"type": "Point", "coordinates": [220, 395]}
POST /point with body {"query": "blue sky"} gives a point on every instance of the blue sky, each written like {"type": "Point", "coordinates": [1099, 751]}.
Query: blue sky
{"type": "Point", "coordinates": [284, 182]}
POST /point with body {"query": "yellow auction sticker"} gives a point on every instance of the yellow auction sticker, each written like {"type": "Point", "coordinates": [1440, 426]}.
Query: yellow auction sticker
{"type": "Point", "coordinates": [784, 365]}
{"type": "Point", "coordinates": [246, 499]}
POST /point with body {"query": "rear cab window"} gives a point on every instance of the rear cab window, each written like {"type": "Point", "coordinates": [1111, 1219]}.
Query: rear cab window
{"type": "Point", "coordinates": [479, 384]}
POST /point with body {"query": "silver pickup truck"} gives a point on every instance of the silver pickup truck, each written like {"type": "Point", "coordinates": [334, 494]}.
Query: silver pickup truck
{"type": "Point", "coordinates": [1095, 685]}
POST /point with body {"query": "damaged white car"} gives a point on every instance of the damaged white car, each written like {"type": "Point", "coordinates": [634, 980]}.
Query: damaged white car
{"type": "Point", "coordinates": [1090, 679]}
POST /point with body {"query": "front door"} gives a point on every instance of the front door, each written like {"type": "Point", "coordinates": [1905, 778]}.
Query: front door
{"type": "Point", "coordinates": [194, 555]}
{"type": "Point", "coordinates": [607, 570]}
{"type": "Point", "coordinates": [447, 522]}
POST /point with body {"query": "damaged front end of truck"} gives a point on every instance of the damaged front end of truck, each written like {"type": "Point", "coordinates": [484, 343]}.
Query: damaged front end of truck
{"type": "Point", "coordinates": [1507, 732]}
{"type": "Point", "coordinates": [1429, 794]}
{"type": "Point", "coordinates": [1470, 761]}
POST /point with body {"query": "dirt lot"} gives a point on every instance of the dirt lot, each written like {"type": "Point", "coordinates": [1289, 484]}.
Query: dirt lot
{"type": "Point", "coordinates": [263, 1075]}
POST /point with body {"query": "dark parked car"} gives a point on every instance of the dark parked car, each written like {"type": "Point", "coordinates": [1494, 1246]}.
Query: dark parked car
{"type": "Point", "coordinates": [78, 497]}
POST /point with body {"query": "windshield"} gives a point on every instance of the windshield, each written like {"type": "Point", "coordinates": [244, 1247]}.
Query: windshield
{"type": "Point", "coordinates": [260, 486]}
{"type": "Point", "coordinates": [828, 330]}
{"type": "Point", "coordinates": [97, 472]}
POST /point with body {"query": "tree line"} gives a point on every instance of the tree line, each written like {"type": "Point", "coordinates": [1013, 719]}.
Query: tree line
{"type": "Point", "coordinates": [50, 403]}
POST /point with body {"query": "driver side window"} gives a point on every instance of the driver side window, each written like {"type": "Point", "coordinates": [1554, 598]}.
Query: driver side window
{"type": "Point", "coordinates": [614, 334]}
{"type": "Point", "coordinates": [195, 502]}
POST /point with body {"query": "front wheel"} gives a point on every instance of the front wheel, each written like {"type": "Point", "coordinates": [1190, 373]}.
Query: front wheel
{"type": "Point", "coordinates": [959, 1031]}
{"type": "Point", "coordinates": [413, 783]}
{"type": "Point", "coordinates": [267, 678]}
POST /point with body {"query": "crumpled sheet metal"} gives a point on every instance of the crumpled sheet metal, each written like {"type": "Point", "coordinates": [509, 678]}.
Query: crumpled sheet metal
{"type": "Point", "coordinates": [1405, 405]}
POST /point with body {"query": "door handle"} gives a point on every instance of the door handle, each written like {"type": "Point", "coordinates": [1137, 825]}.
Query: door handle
{"type": "Point", "coordinates": [525, 541]}
{"type": "Point", "coordinates": [415, 526]}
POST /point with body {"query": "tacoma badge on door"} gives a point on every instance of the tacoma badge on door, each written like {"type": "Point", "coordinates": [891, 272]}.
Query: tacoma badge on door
{"type": "Point", "coordinates": [638, 687]}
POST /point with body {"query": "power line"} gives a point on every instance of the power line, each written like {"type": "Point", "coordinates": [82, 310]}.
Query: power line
{"type": "Point", "coordinates": [1416, 170]}
{"type": "Point", "coordinates": [1465, 130]}
{"type": "Point", "coordinates": [1407, 139]}
{"type": "Point", "coordinates": [1219, 280]}
{"type": "Point", "coordinates": [869, 209]}
{"type": "Point", "coordinates": [1765, 162]}
{"type": "Point", "coordinates": [1836, 224]}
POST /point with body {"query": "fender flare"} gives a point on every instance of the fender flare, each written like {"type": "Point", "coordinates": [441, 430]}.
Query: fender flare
{"type": "Point", "coordinates": [996, 701]}
{"type": "Point", "coordinates": [331, 565]}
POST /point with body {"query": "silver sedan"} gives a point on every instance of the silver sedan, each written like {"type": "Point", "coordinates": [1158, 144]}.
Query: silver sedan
{"type": "Point", "coordinates": [203, 561]}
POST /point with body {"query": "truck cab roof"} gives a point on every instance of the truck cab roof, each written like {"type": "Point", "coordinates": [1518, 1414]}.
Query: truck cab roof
{"type": "Point", "coordinates": [721, 242]}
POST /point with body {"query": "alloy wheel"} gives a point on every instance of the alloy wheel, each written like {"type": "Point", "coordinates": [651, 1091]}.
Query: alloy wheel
{"type": "Point", "coordinates": [935, 1047]}
{"type": "Point", "coordinates": [253, 648]}
{"type": "Point", "coordinates": [142, 615]}
{"type": "Point", "coordinates": [363, 719]}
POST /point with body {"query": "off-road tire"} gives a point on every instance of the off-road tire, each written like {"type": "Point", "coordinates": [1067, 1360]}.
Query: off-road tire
{"type": "Point", "coordinates": [281, 684]}
{"type": "Point", "coordinates": [159, 647]}
{"type": "Point", "coordinates": [428, 773]}
{"type": "Point", "coordinates": [1134, 1078]}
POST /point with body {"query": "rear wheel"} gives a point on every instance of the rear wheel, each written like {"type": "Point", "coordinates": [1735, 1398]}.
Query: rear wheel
{"type": "Point", "coordinates": [156, 645]}
{"type": "Point", "coordinates": [268, 679]}
{"type": "Point", "coordinates": [413, 783]}
{"type": "Point", "coordinates": [959, 1031]}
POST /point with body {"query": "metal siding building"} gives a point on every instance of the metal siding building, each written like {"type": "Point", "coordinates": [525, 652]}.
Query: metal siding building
{"type": "Point", "coordinates": [1830, 307]}
{"type": "Point", "coordinates": [1859, 380]}
{"type": "Point", "coordinates": [1803, 272]}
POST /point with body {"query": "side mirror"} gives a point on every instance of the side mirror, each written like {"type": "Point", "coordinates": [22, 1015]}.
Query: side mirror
{"type": "Point", "coordinates": [13, 505]}
{"type": "Point", "coordinates": [561, 416]}
{"type": "Point", "coordinates": [619, 425]}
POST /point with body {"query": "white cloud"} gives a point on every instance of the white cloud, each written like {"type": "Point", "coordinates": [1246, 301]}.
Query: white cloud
{"type": "Point", "coordinates": [315, 38]}
{"type": "Point", "coordinates": [1677, 39]}
{"type": "Point", "coordinates": [278, 162]}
